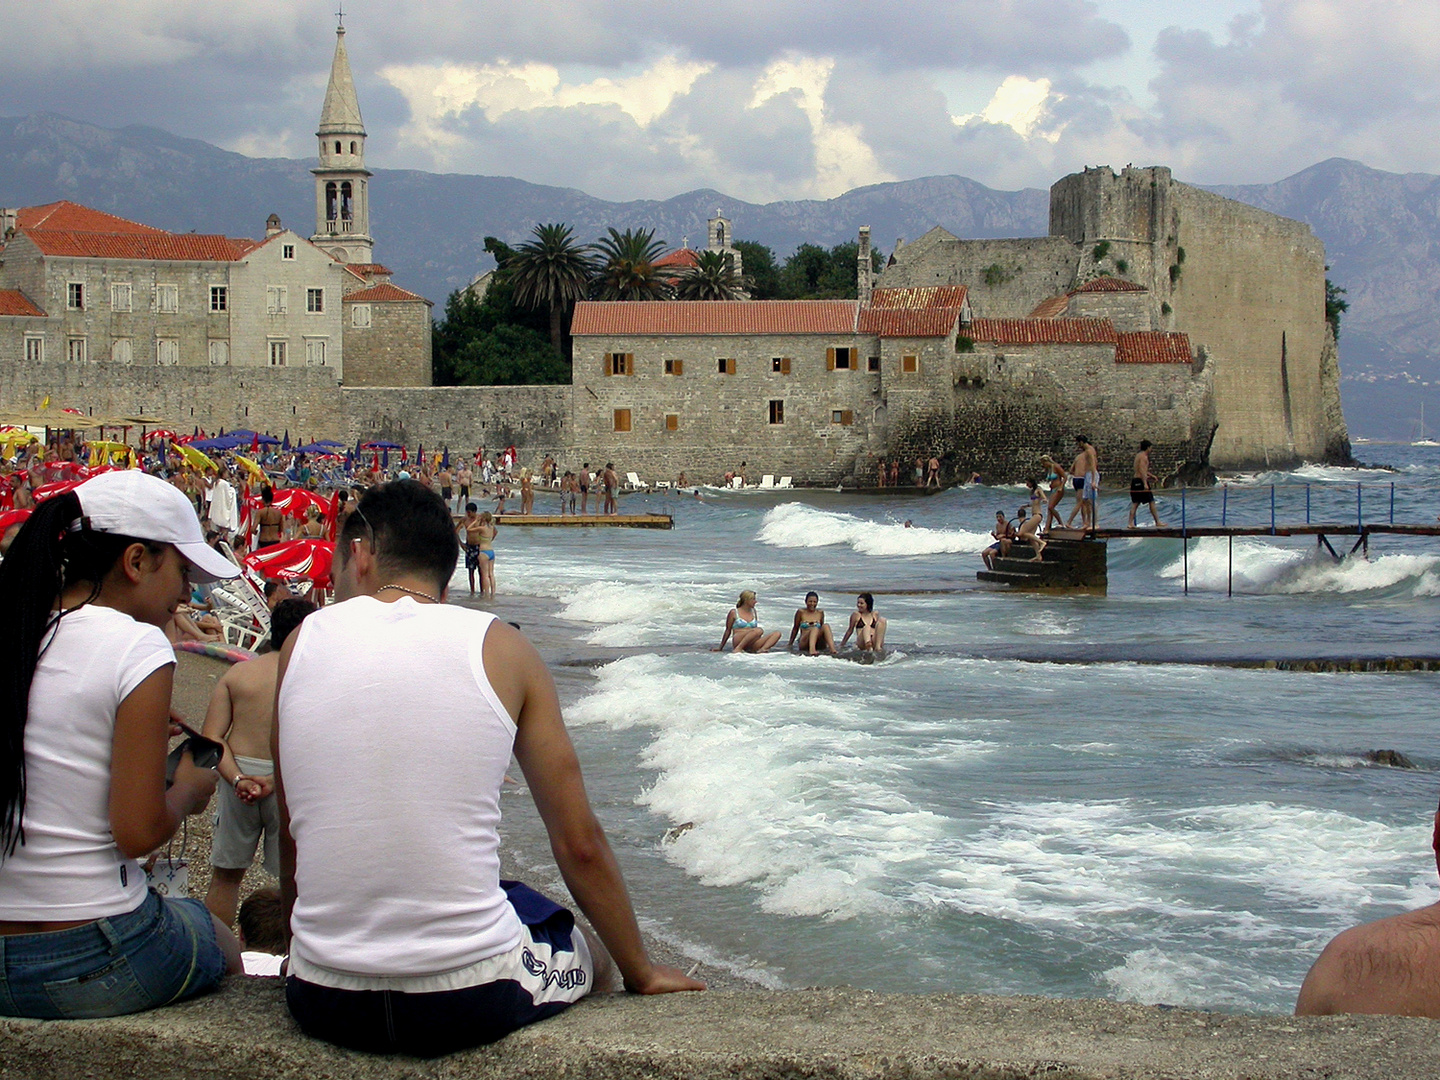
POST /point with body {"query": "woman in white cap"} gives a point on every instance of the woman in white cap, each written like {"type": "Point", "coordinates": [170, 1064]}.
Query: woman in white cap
{"type": "Point", "coordinates": [84, 727]}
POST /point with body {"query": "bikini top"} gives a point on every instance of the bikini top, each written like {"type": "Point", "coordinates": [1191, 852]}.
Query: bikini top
{"type": "Point", "coordinates": [745, 624]}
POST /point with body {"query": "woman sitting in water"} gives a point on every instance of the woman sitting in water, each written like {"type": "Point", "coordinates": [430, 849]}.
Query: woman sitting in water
{"type": "Point", "coordinates": [811, 627]}
{"type": "Point", "coordinates": [868, 628]}
{"type": "Point", "coordinates": [743, 624]}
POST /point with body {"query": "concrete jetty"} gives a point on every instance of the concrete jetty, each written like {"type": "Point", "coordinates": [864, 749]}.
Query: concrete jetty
{"type": "Point", "coordinates": [841, 1033]}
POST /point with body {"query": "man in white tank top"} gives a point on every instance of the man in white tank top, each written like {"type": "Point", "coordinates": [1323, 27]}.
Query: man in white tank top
{"type": "Point", "coordinates": [403, 937]}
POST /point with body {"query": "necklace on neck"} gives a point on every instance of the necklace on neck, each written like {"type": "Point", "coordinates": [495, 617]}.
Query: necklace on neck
{"type": "Point", "coordinates": [412, 592]}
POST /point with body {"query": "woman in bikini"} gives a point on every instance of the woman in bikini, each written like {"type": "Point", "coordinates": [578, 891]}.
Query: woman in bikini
{"type": "Point", "coordinates": [743, 624]}
{"type": "Point", "coordinates": [1030, 527]}
{"type": "Point", "coordinates": [1055, 478]}
{"type": "Point", "coordinates": [868, 628]}
{"type": "Point", "coordinates": [481, 535]}
{"type": "Point", "coordinates": [811, 628]}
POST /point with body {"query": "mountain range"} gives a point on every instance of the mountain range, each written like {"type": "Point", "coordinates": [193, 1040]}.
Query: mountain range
{"type": "Point", "coordinates": [1381, 230]}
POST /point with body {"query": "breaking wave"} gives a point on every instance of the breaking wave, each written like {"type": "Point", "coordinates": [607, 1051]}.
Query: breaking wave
{"type": "Point", "coordinates": [795, 525]}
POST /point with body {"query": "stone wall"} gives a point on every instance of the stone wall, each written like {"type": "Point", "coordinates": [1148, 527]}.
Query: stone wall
{"type": "Point", "coordinates": [533, 418]}
{"type": "Point", "coordinates": [1021, 273]}
{"type": "Point", "coordinates": [394, 350]}
{"type": "Point", "coordinates": [297, 400]}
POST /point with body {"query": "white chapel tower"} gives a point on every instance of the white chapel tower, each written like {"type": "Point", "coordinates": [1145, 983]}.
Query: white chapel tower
{"type": "Point", "coordinates": [342, 183]}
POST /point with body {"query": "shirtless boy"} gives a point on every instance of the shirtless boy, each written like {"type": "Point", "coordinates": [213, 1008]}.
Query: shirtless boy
{"type": "Point", "coordinates": [611, 482]}
{"type": "Point", "coordinates": [1141, 484]}
{"type": "Point", "coordinates": [242, 708]}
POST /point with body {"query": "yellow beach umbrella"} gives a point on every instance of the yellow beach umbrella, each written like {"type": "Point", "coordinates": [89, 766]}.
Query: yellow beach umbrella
{"type": "Point", "coordinates": [250, 467]}
{"type": "Point", "coordinates": [196, 458]}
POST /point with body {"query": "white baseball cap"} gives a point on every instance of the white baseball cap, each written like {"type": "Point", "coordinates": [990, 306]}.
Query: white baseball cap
{"type": "Point", "coordinates": [136, 504]}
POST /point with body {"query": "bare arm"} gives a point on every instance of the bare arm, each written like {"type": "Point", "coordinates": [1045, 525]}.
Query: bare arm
{"type": "Point", "coordinates": [143, 815]}
{"type": "Point", "coordinates": [287, 842]}
{"type": "Point", "coordinates": [729, 626]}
{"type": "Point", "coordinates": [548, 760]}
{"type": "Point", "coordinates": [218, 718]}
{"type": "Point", "coordinates": [794, 629]}
{"type": "Point", "coordinates": [854, 616]}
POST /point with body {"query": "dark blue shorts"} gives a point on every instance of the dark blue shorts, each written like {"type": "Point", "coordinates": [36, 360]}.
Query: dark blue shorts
{"type": "Point", "coordinates": [162, 952]}
{"type": "Point", "coordinates": [547, 972]}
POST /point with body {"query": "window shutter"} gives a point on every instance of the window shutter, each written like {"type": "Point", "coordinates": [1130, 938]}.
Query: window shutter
{"type": "Point", "coordinates": [730, 366]}
{"type": "Point", "coordinates": [679, 367]}
{"type": "Point", "coordinates": [785, 365]}
{"type": "Point", "coordinates": [847, 417]}
{"type": "Point", "coordinates": [672, 422]}
{"type": "Point", "coordinates": [605, 363]}
{"type": "Point", "coordinates": [830, 359]}
{"type": "Point", "coordinates": [629, 363]}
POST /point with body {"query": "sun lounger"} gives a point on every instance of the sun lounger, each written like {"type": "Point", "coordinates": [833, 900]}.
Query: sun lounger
{"type": "Point", "coordinates": [737, 482]}
{"type": "Point", "coordinates": [636, 484]}
{"type": "Point", "coordinates": [767, 481]}
{"type": "Point", "coordinates": [784, 482]}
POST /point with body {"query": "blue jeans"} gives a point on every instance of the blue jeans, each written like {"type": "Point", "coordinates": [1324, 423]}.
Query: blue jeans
{"type": "Point", "coordinates": [162, 952]}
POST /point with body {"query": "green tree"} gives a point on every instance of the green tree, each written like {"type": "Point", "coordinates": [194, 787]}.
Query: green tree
{"type": "Point", "coordinates": [549, 274]}
{"type": "Point", "coordinates": [493, 340]}
{"type": "Point", "coordinates": [1335, 305]}
{"type": "Point", "coordinates": [713, 277]}
{"type": "Point", "coordinates": [627, 266]}
{"type": "Point", "coordinates": [759, 264]}
{"type": "Point", "coordinates": [509, 355]}
{"type": "Point", "coordinates": [812, 273]}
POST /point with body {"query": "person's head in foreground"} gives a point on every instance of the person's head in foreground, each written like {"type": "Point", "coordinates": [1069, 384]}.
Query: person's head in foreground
{"type": "Point", "coordinates": [1390, 967]}
{"type": "Point", "coordinates": [389, 782]}
{"type": "Point", "coordinates": [89, 583]}
{"type": "Point", "coordinates": [261, 923]}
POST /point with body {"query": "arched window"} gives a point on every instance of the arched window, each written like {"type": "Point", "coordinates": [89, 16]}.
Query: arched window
{"type": "Point", "coordinates": [331, 195]}
{"type": "Point", "coordinates": [337, 146]}
{"type": "Point", "coordinates": [352, 146]}
{"type": "Point", "coordinates": [720, 233]}
{"type": "Point", "coordinates": [347, 202]}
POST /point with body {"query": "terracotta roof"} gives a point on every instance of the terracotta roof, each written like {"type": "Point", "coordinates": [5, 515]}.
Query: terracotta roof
{"type": "Point", "coordinates": [368, 270]}
{"type": "Point", "coordinates": [908, 322]}
{"type": "Point", "coordinates": [1153, 347]}
{"type": "Point", "coordinates": [66, 216]}
{"type": "Point", "coordinates": [15, 302]}
{"type": "Point", "coordinates": [1044, 331]}
{"type": "Point", "coordinates": [1052, 308]}
{"type": "Point", "coordinates": [680, 257]}
{"type": "Point", "coordinates": [1109, 284]}
{"type": "Point", "coordinates": [157, 245]}
{"type": "Point", "coordinates": [919, 297]}
{"type": "Point", "coordinates": [645, 317]}
{"type": "Point", "coordinates": [384, 293]}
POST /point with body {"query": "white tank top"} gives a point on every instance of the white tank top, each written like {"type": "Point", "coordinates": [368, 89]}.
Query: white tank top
{"type": "Point", "coordinates": [393, 747]}
{"type": "Point", "coordinates": [69, 868]}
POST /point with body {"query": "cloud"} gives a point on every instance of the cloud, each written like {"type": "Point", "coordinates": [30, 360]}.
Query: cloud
{"type": "Point", "coordinates": [1020, 104]}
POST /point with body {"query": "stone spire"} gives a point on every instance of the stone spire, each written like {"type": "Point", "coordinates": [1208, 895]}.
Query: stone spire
{"type": "Point", "coordinates": [341, 114]}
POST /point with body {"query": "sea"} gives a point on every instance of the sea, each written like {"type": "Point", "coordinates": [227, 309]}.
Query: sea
{"type": "Point", "coordinates": [1062, 795]}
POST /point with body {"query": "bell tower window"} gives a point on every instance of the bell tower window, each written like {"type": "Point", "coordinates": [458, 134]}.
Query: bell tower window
{"type": "Point", "coordinates": [352, 146]}
{"type": "Point", "coordinates": [337, 146]}
{"type": "Point", "coordinates": [347, 201]}
{"type": "Point", "coordinates": [331, 197]}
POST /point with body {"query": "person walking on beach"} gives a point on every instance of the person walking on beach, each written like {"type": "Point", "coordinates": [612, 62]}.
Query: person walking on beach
{"type": "Point", "coordinates": [402, 937]}
{"type": "Point", "coordinates": [242, 708]}
{"type": "Point", "coordinates": [85, 721]}
{"type": "Point", "coordinates": [1141, 493]}
{"type": "Point", "coordinates": [447, 489]}
{"type": "Point", "coordinates": [611, 482]}
{"type": "Point", "coordinates": [464, 479]}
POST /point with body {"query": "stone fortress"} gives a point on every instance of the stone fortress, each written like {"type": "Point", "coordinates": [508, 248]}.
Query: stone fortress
{"type": "Point", "coordinates": [1153, 310]}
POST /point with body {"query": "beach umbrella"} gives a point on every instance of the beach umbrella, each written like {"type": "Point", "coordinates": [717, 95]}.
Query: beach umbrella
{"type": "Point", "coordinates": [253, 469]}
{"type": "Point", "coordinates": [295, 560]}
{"type": "Point", "coordinates": [296, 502]}
{"type": "Point", "coordinates": [45, 491]}
{"type": "Point", "coordinates": [285, 444]}
{"type": "Point", "coordinates": [381, 444]}
{"type": "Point", "coordinates": [385, 461]}
{"type": "Point", "coordinates": [196, 458]}
{"type": "Point", "coordinates": [334, 444]}
{"type": "Point", "coordinates": [11, 518]}
{"type": "Point", "coordinates": [159, 434]}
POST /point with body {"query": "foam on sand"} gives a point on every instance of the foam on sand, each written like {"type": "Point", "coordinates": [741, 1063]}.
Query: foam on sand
{"type": "Point", "coordinates": [795, 525]}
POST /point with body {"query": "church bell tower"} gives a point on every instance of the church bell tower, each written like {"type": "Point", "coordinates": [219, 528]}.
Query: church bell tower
{"type": "Point", "coordinates": [342, 183]}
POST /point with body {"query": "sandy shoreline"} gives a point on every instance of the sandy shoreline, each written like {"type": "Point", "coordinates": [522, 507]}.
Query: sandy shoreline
{"type": "Point", "coordinates": [195, 679]}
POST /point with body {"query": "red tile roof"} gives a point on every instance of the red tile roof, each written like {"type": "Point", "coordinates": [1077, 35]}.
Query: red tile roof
{"type": "Point", "coordinates": [680, 258]}
{"type": "Point", "coordinates": [157, 245]}
{"type": "Point", "coordinates": [15, 302]}
{"type": "Point", "coordinates": [384, 293]}
{"type": "Point", "coordinates": [1052, 308]}
{"type": "Point", "coordinates": [919, 297]}
{"type": "Point", "coordinates": [718, 317]}
{"type": "Point", "coordinates": [369, 270]}
{"type": "Point", "coordinates": [1109, 284]}
{"type": "Point", "coordinates": [1044, 331]}
{"type": "Point", "coordinates": [908, 322]}
{"type": "Point", "coordinates": [1153, 347]}
{"type": "Point", "coordinates": [66, 216]}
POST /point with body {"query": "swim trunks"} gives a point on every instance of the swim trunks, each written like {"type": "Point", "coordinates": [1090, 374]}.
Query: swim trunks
{"type": "Point", "coordinates": [1079, 482]}
{"type": "Point", "coordinates": [1092, 485]}
{"type": "Point", "coordinates": [240, 825]}
{"type": "Point", "coordinates": [1139, 493]}
{"type": "Point", "coordinates": [446, 493]}
{"type": "Point", "coordinates": [472, 556]}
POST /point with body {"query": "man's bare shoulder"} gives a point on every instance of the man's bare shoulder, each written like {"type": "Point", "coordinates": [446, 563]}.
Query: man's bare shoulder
{"type": "Point", "coordinates": [1389, 967]}
{"type": "Point", "coordinates": [249, 674]}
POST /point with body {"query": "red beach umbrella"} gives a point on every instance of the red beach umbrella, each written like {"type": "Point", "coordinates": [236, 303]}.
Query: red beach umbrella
{"type": "Point", "coordinates": [295, 560]}
{"type": "Point", "coordinates": [44, 491]}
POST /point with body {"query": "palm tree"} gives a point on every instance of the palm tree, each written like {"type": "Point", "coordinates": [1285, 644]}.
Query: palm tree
{"type": "Point", "coordinates": [713, 277]}
{"type": "Point", "coordinates": [627, 266]}
{"type": "Point", "coordinates": [551, 272]}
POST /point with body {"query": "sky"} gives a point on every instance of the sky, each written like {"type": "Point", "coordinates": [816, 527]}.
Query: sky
{"type": "Point", "coordinates": [784, 99]}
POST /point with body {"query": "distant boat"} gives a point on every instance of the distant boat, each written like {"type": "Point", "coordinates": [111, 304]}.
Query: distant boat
{"type": "Point", "coordinates": [1422, 440]}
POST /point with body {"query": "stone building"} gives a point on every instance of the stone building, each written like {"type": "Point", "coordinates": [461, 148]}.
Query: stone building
{"type": "Point", "coordinates": [88, 289]}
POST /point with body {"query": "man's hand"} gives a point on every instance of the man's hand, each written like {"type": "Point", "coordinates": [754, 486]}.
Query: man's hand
{"type": "Point", "coordinates": [664, 980]}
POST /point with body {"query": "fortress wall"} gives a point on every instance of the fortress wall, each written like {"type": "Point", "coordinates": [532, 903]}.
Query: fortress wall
{"type": "Point", "coordinates": [1252, 289]}
{"type": "Point", "coordinates": [534, 418]}
{"type": "Point", "coordinates": [278, 399]}
{"type": "Point", "coordinates": [394, 350]}
{"type": "Point", "coordinates": [1129, 311]}
{"type": "Point", "coordinates": [1011, 404]}
{"type": "Point", "coordinates": [1033, 269]}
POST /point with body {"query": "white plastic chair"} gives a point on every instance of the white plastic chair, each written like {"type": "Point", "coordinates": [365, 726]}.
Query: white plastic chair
{"type": "Point", "coordinates": [636, 484]}
{"type": "Point", "coordinates": [784, 482]}
{"type": "Point", "coordinates": [767, 481]}
{"type": "Point", "coordinates": [737, 482]}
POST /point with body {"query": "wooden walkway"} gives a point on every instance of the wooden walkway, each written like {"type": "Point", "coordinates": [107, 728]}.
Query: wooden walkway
{"type": "Point", "coordinates": [1176, 532]}
{"type": "Point", "coordinates": [588, 521]}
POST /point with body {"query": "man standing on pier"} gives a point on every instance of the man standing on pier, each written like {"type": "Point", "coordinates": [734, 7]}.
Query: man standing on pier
{"type": "Point", "coordinates": [1086, 471]}
{"type": "Point", "coordinates": [1140, 485]}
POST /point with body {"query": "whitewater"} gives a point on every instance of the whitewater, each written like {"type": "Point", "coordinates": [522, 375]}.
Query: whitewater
{"type": "Point", "coordinates": [969, 814]}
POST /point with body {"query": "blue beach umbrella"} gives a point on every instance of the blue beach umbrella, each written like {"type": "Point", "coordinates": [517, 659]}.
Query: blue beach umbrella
{"type": "Point", "coordinates": [445, 458]}
{"type": "Point", "coordinates": [285, 443]}
{"type": "Point", "coordinates": [385, 459]}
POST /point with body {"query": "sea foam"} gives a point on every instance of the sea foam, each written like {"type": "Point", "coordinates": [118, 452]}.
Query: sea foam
{"type": "Point", "coordinates": [795, 525]}
{"type": "Point", "coordinates": [1262, 567]}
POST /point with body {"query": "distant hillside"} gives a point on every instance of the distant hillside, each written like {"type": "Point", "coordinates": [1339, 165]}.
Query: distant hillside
{"type": "Point", "coordinates": [1381, 230]}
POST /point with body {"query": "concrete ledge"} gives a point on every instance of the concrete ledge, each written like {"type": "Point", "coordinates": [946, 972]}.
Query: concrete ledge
{"type": "Point", "coordinates": [244, 1031]}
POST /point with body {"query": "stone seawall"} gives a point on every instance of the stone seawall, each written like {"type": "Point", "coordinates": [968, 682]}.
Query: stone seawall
{"type": "Point", "coordinates": [536, 419]}
{"type": "Point", "coordinates": [842, 1034]}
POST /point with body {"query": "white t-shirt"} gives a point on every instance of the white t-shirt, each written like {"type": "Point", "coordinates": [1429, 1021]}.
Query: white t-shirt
{"type": "Point", "coordinates": [69, 868]}
{"type": "Point", "coordinates": [393, 747]}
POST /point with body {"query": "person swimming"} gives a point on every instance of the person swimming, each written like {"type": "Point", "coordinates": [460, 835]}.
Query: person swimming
{"type": "Point", "coordinates": [868, 628]}
{"type": "Point", "coordinates": [811, 628]}
{"type": "Point", "coordinates": [743, 625]}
